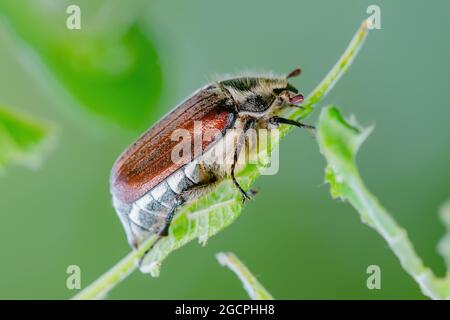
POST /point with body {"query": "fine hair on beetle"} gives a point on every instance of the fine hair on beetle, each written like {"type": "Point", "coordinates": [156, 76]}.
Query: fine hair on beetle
{"type": "Point", "coordinates": [190, 145]}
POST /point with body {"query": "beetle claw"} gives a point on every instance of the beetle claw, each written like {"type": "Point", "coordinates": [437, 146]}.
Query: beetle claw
{"type": "Point", "coordinates": [245, 197]}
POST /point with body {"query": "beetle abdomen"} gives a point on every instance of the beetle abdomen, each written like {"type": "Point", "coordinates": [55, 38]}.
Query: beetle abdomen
{"type": "Point", "coordinates": [148, 214]}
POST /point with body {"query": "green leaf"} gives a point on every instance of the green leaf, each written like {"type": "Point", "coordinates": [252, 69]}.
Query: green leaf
{"type": "Point", "coordinates": [110, 66]}
{"type": "Point", "coordinates": [22, 140]}
{"type": "Point", "coordinates": [255, 290]}
{"type": "Point", "coordinates": [339, 141]}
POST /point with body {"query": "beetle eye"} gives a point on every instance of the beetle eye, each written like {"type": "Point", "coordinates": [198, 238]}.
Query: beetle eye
{"type": "Point", "coordinates": [291, 88]}
{"type": "Point", "coordinates": [277, 91]}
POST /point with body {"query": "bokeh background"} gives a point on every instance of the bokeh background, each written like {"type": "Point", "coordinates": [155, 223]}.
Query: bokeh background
{"type": "Point", "coordinates": [102, 85]}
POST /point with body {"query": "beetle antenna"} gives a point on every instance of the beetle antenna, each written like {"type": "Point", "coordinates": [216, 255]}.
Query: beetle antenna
{"type": "Point", "coordinates": [294, 73]}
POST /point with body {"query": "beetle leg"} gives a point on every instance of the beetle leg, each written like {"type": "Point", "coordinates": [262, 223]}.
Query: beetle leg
{"type": "Point", "coordinates": [199, 191]}
{"type": "Point", "coordinates": [239, 145]}
{"type": "Point", "coordinates": [279, 120]}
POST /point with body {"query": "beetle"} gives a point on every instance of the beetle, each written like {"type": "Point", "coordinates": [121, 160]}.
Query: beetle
{"type": "Point", "coordinates": [147, 186]}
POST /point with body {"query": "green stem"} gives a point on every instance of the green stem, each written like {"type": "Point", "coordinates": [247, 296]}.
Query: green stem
{"type": "Point", "coordinates": [100, 287]}
{"type": "Point", "coordinates": [398, 240]}
{"type": "Point", "coordinates": [339, 142]}
{"type": "Point", "coordinates": [254, 288]}
{"type": "Point", "coordinates": [330, 79]}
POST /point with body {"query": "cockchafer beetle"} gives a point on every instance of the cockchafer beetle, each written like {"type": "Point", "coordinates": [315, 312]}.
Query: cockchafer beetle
{"type": "Point", "coordinates": [148, 186]}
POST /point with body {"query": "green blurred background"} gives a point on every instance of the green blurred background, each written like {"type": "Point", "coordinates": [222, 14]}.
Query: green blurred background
{"type": "Point", "coordinates": [298, 241]}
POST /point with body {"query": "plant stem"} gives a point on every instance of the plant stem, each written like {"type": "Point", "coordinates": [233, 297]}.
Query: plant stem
{"type": "Point", "coordinates": [397, 239]}
{"type": "Point", "coordinates": [339, 142]}
{"type": "Point", "coordinates": [254, 288]}
{"type": "Point", "coordinates": [330, 79]}
{"type": "Point", "coordinates": [100, 287]}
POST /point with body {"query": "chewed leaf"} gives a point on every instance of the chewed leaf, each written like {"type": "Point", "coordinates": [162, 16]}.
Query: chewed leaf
{"type": "Point", "coordinates": [341, 138]}
{"type": "Point", "coordinates": [339, 142]}
{"type": "Point", "coordinates": [109, 67]}
{"type": "Point", "coordinates": [22, 140]}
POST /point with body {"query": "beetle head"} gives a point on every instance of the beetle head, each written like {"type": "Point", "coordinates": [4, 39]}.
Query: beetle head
{"type": "Point", "coordinates": [260, 97]}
